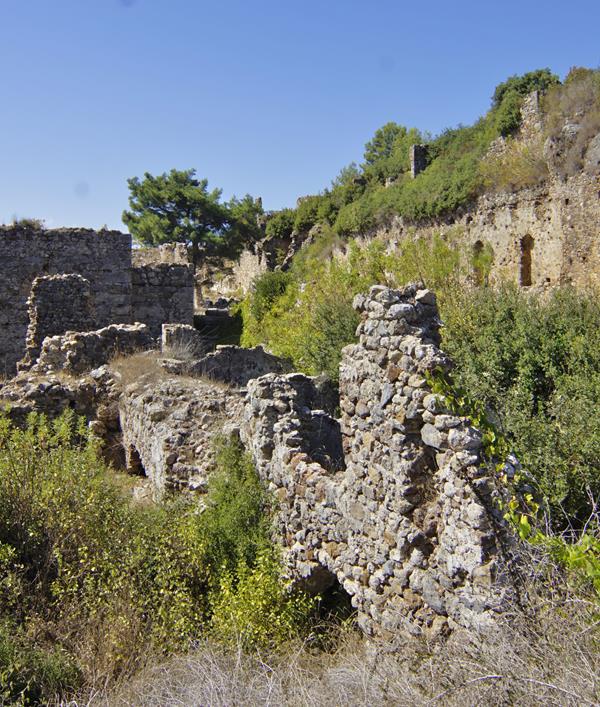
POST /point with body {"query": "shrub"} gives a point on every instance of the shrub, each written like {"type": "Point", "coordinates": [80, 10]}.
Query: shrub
{"type": "Point", "coordinates": [535, 364]}
{"type": "Point", "coordinates": [235, 524]}
{"type": "Point", "coordinates": [265, 290]}
{"type": "Point", "coordinates": [280, 224]}
{"type": "Point", "coordinates": [90, 584]}
{"type": "Point", "coordinates": [307, 213]}
{"type": "Point", "coordinates": [576, 102]}
{"type": "Point", "coordinates": [255, 606]}
{"type": "Point", "coordinates": [539, 80]}
{"type": "Point", "coordinates": [519, 165]}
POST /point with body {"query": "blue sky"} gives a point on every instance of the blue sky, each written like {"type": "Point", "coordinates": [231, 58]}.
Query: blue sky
{"type": "Point", "coordinates": [270, 98]}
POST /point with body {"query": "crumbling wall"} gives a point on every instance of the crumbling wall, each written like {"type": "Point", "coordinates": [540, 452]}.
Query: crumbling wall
{"type": "Point", "coordinates": [409, 527]}
{"type": "Point", "coordinates": [169, 430]}
{"type": "Point", "coordinates": [236, 365]}
{"type": "Point", "coordinates": [77, 352]}
{"type": "Point", "coordinates": [103, 258]}
{"type": "Point", "coordinates": [170, 253]}
{"type": "Point", "coordinates": [56, 304]}
{"type": "Point", "coordinates": [162, 293]}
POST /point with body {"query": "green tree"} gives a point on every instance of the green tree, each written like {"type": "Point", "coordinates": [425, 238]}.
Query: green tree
{"type": "Point", "coordinates": [539, 80]}
{"type": "Point", "coordinates": [381, 145]}
{"type": "Point", "coordinates": [244, 215]}
{"type": "Point", "coordinates": [177, 207]}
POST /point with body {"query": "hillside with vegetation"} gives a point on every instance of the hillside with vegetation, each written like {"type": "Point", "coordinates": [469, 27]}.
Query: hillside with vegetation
{"type": "Point", "coordinates": [459, 167]}
{"type": "Point", "coordinates": [108, 601]}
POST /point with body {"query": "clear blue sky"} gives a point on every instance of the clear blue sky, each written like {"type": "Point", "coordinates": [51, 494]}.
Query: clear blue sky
{"type": "Point", "coordinates": [266, 97]}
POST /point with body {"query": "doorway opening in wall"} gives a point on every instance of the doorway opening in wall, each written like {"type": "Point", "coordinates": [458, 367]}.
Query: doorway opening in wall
{"type": "Point", "coordinates": [335, 604]}
{"type": "Point", "coordinates": [526, 256]}
{"type": "Point", "coordinates": [134, 463]}
{"type": "Point", "coordinates": [477, 269]}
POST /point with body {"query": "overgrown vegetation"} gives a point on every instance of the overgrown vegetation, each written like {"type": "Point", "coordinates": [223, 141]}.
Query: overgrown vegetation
{"type": "Point", "coordinates": [460, 165]}
{"type": "Point", "coordinates": [532, 363]}
{"type": "Point", "coordinates": [548, 658]}
{"type": "Point", "coordinates": [91, 586]}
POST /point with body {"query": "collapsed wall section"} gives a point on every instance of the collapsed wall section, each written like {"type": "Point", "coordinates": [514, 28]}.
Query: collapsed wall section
{"type": "Point", "coordinates": [103, 258]}
{"type": "Point", "coordinates": [77, 352]}
{"type": "Point", "coordinates": [56, 304]}
{"type": "Point", "coordinates": [162, 293]}
{"type": "Point", "coordinates": [409, 528]}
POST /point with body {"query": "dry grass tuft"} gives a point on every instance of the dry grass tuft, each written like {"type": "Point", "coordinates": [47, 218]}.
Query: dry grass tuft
{"type": "Point", "coordinates": [146, 367]}
{"type": "Point", "coordinates": [131, 368]}
{"type": "Point", "coordinates": [548, 659]}
{"type": "Point", "coordinates": [520, 165]}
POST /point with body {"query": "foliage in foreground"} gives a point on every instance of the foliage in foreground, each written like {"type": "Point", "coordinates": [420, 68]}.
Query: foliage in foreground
{"type": "Point", "coordinates": [90, 585]}
{"type": "Point", "coordinates": [547, 658]}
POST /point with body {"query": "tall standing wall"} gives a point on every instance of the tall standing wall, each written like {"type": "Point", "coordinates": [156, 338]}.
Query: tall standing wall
{"type": "Point", "coordinates": [162, 293]}
{"type": "Point", "coordinates": [406, 519]}
{"type": "Point", "coordinates": [103, 258]}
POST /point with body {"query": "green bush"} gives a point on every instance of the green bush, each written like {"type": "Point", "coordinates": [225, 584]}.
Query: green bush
{"type": "Point", "coordinates": [306, 214]}
{"type": "Point", "coordinates": [89, 583]}
{"type": "Point", "coordinates": [266, 289]}
{"type": "Point", "coordinates": [235, 524]}
{"type": "Point", "coordinates": [253, 604]}
{"type": "Point", "coordinates": [536, 365]}
{"type": "Point", "coordinates": [31, 673]}
{"type": "Point", "coordinates": [539, 80]}
{"type": "Point", "coordinates": [280, 224]}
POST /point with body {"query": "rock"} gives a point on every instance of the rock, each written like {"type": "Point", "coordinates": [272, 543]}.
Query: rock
{"type": "Point", "coordinates": [432, 437]}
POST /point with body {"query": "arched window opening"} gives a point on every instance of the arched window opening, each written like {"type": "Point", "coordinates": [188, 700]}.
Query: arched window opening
{"type": "Point", "coordinates": [526, 257]}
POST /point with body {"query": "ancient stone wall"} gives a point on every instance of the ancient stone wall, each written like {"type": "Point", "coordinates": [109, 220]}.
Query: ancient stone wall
{"type": "Point", "coordinates": [236, 365]}
{"type": "Point", "coordinates": [540, 236]}
{"type": "Point", "coordinates": [418, 159]}
{"type": "Point", "coordinates": [56, 304]}
{"type": "Point", "coordinates": [162, 293]}
{"type": "Point", "coordinates": [169, 429]}
{"type": "Point", "coordinates": [409, 528]}
{"type": "Point", "coordinates": [76, 352]}
{"type": "Point", "coordinates": [103, 258]}
{"type": "Point", "coordinates": [170, 253]}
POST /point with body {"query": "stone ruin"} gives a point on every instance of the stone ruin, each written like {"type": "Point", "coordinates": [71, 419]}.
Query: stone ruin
{"type": "Point", "coordinates": [392, 501]}
{"type": "Point", "coordinates": [57, 303]}
{"type": "Point", "coordinates": [41, 295]}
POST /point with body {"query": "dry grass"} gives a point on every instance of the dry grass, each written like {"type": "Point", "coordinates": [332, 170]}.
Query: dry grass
{"type": "Point", "coordinates": [549, 659]}
{"type": "Point", "coordinates": [143, 364]}
{"type": "Point", "coordinates": [147, 365]}
{"type": "Point", "coordinates": [520, 165]}
{"type": "Point", "coordinates": [577, 101]}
